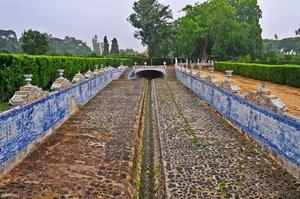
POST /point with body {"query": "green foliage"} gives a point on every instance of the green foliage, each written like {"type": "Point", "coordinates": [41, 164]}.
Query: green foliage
{"type": "Point", "coordinates": [272, 57]}
{"type": "Point", "coordinates": [67, 46]}
{"type": "Point", "coordinates": [106, 46]}
{"type": "Point", "coordinates": [114, 47]}
{"type": "Point", "coordinates": [223, 29]}
{"type": "Point", "coordinates": [283, 46]}
{"type": "Point", "coordinates": [244, 59]}
{"type": "Point", "coordinates": [127, 51]}
{"type": "Point", "coordinates": [280, 74]}
{"type": "Point", "coordinates": [9, 42]}
{"type": "Point", "coordinates": [4, 51]}
{"type": "Point", "coordinates": [34, 43]}
{"type": "Point", "coordinates": [44, 70]}
{"type": "Point", "coordinates": [151, 20]}
{"type": "Point", "coordinates": [96, 45]}
{"type": "Point", "coordinates": [297, 32]}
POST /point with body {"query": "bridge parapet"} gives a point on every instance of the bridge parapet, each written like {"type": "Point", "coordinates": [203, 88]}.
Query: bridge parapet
{"type": "Point", "coordinates": [161, 69]}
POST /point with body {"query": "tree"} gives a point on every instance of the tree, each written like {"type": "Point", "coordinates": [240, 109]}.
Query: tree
{"type": "Point", "coordinates": [106, 46]}
{"type": "Point", "coordinates": [96, 45]}
{"type": "Point", "coordinates": [114, 47]}
{"type": "Point", "coordinates": [149, 19]}
{"type": "Point", "coordinates": [229, 43]}
{"type": "Point", "coordinates": [127, 51]}
{"type": "Point", "coordinates": [297, 32]}
{"type": "Point", "coordinates": [204, 30]}
{"type": "Point", "coordinates": [34, 43]}
{"type": "Point", "coordinates": [248, 14]}
{"type": "Point", "coordinates": [9, 41]}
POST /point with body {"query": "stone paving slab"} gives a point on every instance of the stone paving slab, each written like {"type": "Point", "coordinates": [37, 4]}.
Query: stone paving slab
{"type": "Point", "coordinates": [92, 155]}
{"type": "Point", "coordinates": [203, 157]}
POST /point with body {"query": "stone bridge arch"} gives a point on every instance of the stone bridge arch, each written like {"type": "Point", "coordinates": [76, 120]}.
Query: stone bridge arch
{"type": "Point", "coordinates": [150, 71]}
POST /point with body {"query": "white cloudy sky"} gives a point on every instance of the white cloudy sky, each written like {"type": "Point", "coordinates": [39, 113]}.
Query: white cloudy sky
{"type": "Point", "coordinates": [83, 19]}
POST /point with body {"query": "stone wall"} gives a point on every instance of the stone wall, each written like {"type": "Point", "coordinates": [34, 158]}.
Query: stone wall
{"type": "Point", "coordinates": [276, 133]}
{"type": "Point", "coordinates": [22, 128]}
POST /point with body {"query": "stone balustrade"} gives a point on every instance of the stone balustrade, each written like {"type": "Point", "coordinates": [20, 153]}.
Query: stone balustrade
{"type": "Point", "coordinates": [27, 93]}
{"type": "Point", "coordinates": [60, 83]}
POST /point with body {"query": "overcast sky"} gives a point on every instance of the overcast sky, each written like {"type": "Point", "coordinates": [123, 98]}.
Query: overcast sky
{"type": "Point", "coordinates": [83, 19]}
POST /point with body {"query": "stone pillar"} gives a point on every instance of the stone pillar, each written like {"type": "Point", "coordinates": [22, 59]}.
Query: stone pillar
{"type": "Point", "coordinates": [60, 83]}
{"type": "Point", "coordinates": [96, 71]}
{"type": "Point", "coordinates": [164, 64]}
{"type": "Point", "coordinates": [27, 93]}
{"type": "Point", "coordinates": [89, 74]}
{"type": "Point", "coordinates": [78, 78]}
{"type": "Point", "coordinates": [211, 78]}
{"type": "Point", "coordinates": [228, 84]}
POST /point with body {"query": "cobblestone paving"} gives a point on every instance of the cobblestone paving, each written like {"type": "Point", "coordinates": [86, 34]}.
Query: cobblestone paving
{"type": "Point", "coordinates": [92, 155]}
{"type": "Point", "coordinates": [204, 157]}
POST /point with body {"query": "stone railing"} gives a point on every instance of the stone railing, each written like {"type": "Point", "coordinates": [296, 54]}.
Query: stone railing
{"type": "Point", "coordinates": [259, 115]}
{"type": "Point", "coordinates": [37, 113]}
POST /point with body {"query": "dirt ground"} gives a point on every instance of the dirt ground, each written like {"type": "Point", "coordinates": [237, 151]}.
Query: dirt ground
{"type": "Point", "coordinates": [290, 96]}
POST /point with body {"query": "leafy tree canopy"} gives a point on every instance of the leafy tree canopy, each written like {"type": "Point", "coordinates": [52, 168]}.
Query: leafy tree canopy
{"type": "Point", "coordinates": [34, 43]}
{"type": "Point", "coordinates": [114, 47]}
{"type": "Point", "coordinates": [225, 29]}
{"type": "Point", "coordinates": [106, 46]}
{"type": "Point", "coordinates": [151, 19]}
{"type": "Point", "coordinates": [9, 41]}
{"type": "Point", "coordinates": [96, 45]}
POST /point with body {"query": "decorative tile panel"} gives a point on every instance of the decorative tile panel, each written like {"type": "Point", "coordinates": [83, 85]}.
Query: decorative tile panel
{"type": "Point", "coordinates": [22, 126]}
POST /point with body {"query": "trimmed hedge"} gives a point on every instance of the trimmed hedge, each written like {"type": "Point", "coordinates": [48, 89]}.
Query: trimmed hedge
{"type": "Point", "coordinates": [44, 70]}
{"type": "Point", "coordinates": [280, 74]}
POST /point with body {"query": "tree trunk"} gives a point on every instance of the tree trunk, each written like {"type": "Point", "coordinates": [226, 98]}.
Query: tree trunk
{"type": "Point", "coordinates": [204, 55]}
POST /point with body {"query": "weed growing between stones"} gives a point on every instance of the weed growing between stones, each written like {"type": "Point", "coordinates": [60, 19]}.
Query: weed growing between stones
{"type": "Point", "coordinates": [179, 169]}
{"type": "Point", "coordinates": [222, 187]}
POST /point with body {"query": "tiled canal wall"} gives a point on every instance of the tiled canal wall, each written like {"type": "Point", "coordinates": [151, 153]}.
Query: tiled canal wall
{"type": "Point", "coordinates": [22, 128]}
{"type": "Point", "coordinates": [277, 134]}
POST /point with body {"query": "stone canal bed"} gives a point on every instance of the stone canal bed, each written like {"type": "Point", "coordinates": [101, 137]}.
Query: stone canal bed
{"type": "Point", "coordinates": [96, 153]}
{"type": "Point", "coordinates": [92, 155]}
{"type": "Point", "coordinates": [204, 157]}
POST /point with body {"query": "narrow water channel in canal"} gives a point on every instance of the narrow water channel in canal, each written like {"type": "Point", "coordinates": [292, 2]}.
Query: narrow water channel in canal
{"type": "Point", "coordinates": [147, 167]}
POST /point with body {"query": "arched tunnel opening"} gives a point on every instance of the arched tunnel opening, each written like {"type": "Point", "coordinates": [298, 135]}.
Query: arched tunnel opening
{"type": "Point", "coordinates": [150, 74]}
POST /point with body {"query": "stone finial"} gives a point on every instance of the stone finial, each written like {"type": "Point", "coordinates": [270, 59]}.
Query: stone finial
{"type": "Point", "coordinates": [96, 71]}
{"type": "Point", "coordinates": [193, 72]}
{"type": "Point", "coordinates": [102, 70]}
{"type": "Point", "coordinates": [200, 73]}
{"type": "Point", "coordinates": [263, 97]}
{"type": "Point", "coordinates": [27, 93]}
{"type": "Point", "coordinates": [89, 74]}
{"type": "Point", "coordinates": [145, 63]}
{"type": "Point", "coordinates": [60, 83]}
{"type": "Point", "coordinates": [211, 78]}
{"type": "Point", "coordinates": [78, 78]}
{"type": "Point", "coordinates": [135, 63]}
{"type": "Point", "coordinates": [164, 63]}
{"type": "Point", "coordinates": [228, 84]}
